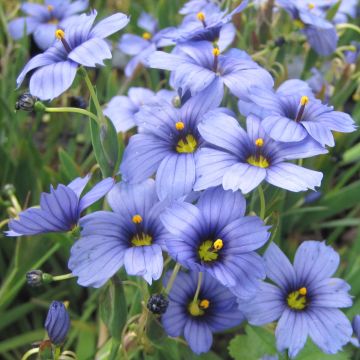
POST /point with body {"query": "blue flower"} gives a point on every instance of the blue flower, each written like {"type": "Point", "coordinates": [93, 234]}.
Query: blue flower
{"type": "Point", "coordinates": [320, 33]}
{"type": "Point", "coordinates": [242, 160]}
{"type": "Point", "coordinates": [214, 310]}
{"type": "Point", "coordinates": [209, 24]}
{"type": "Point", "coordinates": [121, 110]}
{"type": "Point", "coordinates": [57, 323]}
{"type": "Point", "coordinates": [319, 85]}
{"type": "Point", "coordinates": [215, 237]}
{"type": "Point", "coordinates": [79, 44]}
{"type": "Point", "coordinates": [294, 116]}
{"type": "Point", "coordinates": [43, 20]}
{"type": "Point", "coordinates": [356, 328]}
{"type": "Point", "coordinates": [168, 144]}
{"type": "Point", "coordinates": [194, 6]}
{"type": "Point", "coordinates": [197, 65]}
{"type": "Point", "coordinates": [131, 236]}
{"type": "Point", "coordinates": [304, 297]}
{"type": "Point", "coordinates": [60, 209]}
{"type": "Point", "coordinates": [142, 46]}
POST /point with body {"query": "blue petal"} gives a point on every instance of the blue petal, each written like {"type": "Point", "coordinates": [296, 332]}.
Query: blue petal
{"type": "Point", "coordinates": [281, 128]}
{"type": "Point", "coordinates": [165, 61]}
{"type": "Point", "coordinates": [294, 87]}
{"type": "Point", "coordinates": [331, 292]}
{"type": "Point", "coordinates": [91, 52]}
{"type": "Point", "coordinates": [110, 25]}
{"type": "Point", "coordinates": [147, 22]}
{"type": "Point", "coordinates": [142, 157]}
{"type": "Point", "coordinates": [220, 207]}
{"type": "Point", "coordinates": [315, 261]}
{"type": "Point", "coordinates": [244, 177]}
{"type": "Point", "coordinates": [227, 36]}
{"type": "Point", "coordinates": [76, 7]}
{"type": "Point", "coordinates": [329, 329]}
{"type": "Point", "coordinates": [224, 131]}
{"type": "Point", "coordinates": [174, 320]}
{"type": "Point", "coordinates": [175, 176]}
{"type": "Point", "coordinates": [211, 166]}
{"type": "Point", "coordinates": [132, 44]}
{"type": "Point", "coordinates": [323, 41]}
{"type": "Point", "coordinates": [198, 336]}
{"type": "Point", "coordinates": [244, 234]}
{"type": "Point", "coordinates": [78, 184]}
{"type": "Point", "coordinates": [291, 332]}
{"type": "Point", "coordinates": [278, 267]}
{"type": "Point", "coordinates": [18, 26]}
{"type": "Point", "coordinates": [95, 259]}
{"type": "Point", "coordinates": [96, 193]}
{"type": "Point", "coordinates": [337, 121]}
{"type": "Point", "coordinates": [44, 35]}
{"type": "Point", "coordinates": [293, 177]}
{"type": "Point", "coordinates": [319, 133]}
{"type": "Point", "coordinates": [131, 199]}
{"type": "Point", "coordinates": [36, 10]}
{"type": "Point", "coordinates": [52, 80]}
{"type": "Point", "coordinates": [266, 307]}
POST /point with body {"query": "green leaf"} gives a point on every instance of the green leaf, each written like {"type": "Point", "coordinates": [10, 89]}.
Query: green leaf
{"type": "Point", "coordinates": [353, 154]}
{"type": "Point", "coordinates": [256, 343]}
{"type": "Point", "coordinates": [333, 10]}
{"type": "Point", "coordinates": [68, 165]}
{"type": "Point", "coordinates": [312, 352]}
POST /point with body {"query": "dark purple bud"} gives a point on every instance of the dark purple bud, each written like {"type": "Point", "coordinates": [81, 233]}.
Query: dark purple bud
{"type": "Point", "coordinates": [78, 101]}
{"type": "Point", "coordinates": [25, 102]}
{"type": "Point", "coordinates": [57, 322]}
{"type": "Point", "coordinates": [34, 278]}
{"type": "Point", "coordinates": [312, 197]}
{"type": "Point", "coordinates": [356, 326]}
{"type": "Point", "coordinates": [158, 304]}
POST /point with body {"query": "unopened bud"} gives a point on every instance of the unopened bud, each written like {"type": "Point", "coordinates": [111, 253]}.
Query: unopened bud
{"type": "Point", "coordinates": [158, 304]}
{"type": "Point", "coordinates": [57, 322]}
{"type": "Point", "coordinates": [25, 102]}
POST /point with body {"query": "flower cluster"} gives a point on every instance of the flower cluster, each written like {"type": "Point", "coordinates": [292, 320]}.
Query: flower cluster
{"type": "Point", "coordinates": [187, 169]}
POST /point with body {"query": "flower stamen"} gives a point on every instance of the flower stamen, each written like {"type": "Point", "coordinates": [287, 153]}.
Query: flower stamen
{"type": "Point", "coordinates": [303, 102]}
{"type": "Point", "coordinates": [179, 125]}
{"type": "Point", "coordinates": [208, 250]}
{"type": "Point", "coordinates": [297, 300]}
{"type": "Point", "coordinates": [146, 35]}
{"type": "Point", "coordinates": [216, 53]}
{"type": "Point", "coordinates": [60, 35]}
{"type": "Point", "coordinates": [201, 17]}
{"type": "Point", "coordinates": [186, 145]}
{"type": "Point", "coordinates": [50, 8]}
{"type": "Point", "coordinates": [137, 219]}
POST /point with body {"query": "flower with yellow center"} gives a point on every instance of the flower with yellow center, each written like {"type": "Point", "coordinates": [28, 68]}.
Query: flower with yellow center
{"type": "Point", "coordinates": [296, 300]}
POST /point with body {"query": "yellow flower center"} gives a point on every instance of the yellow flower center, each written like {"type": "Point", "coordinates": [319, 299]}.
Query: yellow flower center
{"type": "Point", "coordinates": [311, 6]}
{"type": "Point", "coordinates": [50, 8]}
{"type": "Point", "coordinates": [196, 308]}
{"type": "Point", "coordinates": [142, 240]}
{"type": "Point", "coordinates": [187, 145]}
{"type": "Point", "coordinates": [304, 100]}
{"type": "Point", "coordinates": [297, 299]}
{"type": "Point", "coordinates": [216, 51]}
{"type": "Point", "coordinates": [208, 250]}
{"type": "Point", "coordinates": [259, 161]}
{"type": "Point", "coordinates": [259, 142]}
{"type": "Point", "coordinates": [146, 35]}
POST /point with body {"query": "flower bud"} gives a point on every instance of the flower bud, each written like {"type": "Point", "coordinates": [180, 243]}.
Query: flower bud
{"type": "Point", "coordinates": [25, 102]}
{"type": "Point", "coordinates": [78, 101]}
{"type": "Point", "coordinates": [57, 322]}
{"type": "Point", "coordinates": [356, 326]}
{"type": "Point", "coordinates": [34, 278]}
{"type": "Point", "coordinates": [158, 304]}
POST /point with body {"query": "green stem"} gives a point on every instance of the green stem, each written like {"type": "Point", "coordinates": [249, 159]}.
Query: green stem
{"type": "Point", "coordinates": [29, 353]}
{"type": "Point", "coordinates": [172, 278]}
{"type": "Point", "coordinates": [196, 296]}
{"type": "Point", "coordinates": [71, 110]}
{"type": "Point", "coordinates": [94, 98]}
{"type": "Point", "coordinates": [57, 353]}
{"type": "Point", "coordinates": [63, 277]}
{"type": "Point", "coordinates": [262, 202]}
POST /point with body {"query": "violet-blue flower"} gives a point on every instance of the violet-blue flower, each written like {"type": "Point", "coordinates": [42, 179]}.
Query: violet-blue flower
{"type": "Point", "coordinates": [57, 323]}
{"type": "Point", "coordinates": [304, 297]}
{"type": "Point", "coordinates": [121, 110]}
{"type": "Point", "coordinates": [43, 20]}
{"type": "Point", "coordinates": [213, 310]}
{"type": "Point", "coordinates": [168, 144]}
{"type": "Point", "coordinates": [131, 236]}
{"type": "Point", "coordinates": [198, 64]}
{"type": "Point", "coordinates": [242, 160]}
{"type": "Point", "coordinates": [60, 209]}
{"type": "Point", "coordinates": [293, 117]}
{"type": "Point", "coordinates": [142, 46]}
{"type": "Point", "coordinates": [215, 237]}
{"type": "Point", "coordinates": [80, 43]}
{"type": "Point", "coordinates": [320, 33]}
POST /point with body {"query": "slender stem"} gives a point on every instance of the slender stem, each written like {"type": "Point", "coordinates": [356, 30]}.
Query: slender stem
{"type": "Point", "coordinates": [198, 287]}
{"type": "Point", "coordinates": [172, 278]}
{"type": "Point", "coordinates": [71, 110]}
{"type": "Point", "coordinates": [63, 277]}
{"type": "Point", "coordinates": [94, 98]}
{"type": "Point", "coordinates": [57, 353]}
{"type": "Point", "coordinates": [29, 353]}
{"type": "Point", "coordinates": [262, 202]}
